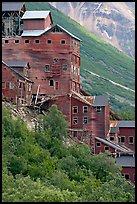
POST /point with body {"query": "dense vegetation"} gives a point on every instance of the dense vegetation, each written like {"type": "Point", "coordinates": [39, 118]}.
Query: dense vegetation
{"type": "Point", "coordinates": [40, 166]}
{"type": "Point", "coordinates": [101, 58]}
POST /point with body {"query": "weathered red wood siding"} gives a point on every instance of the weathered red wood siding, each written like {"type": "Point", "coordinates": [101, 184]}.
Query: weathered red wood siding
{"type": "Point", "coordinates": [130, 171]}
{"type": "Point", "coordinates": [97, 150]}
{"type": "Point", "coordinates": [127, 132]}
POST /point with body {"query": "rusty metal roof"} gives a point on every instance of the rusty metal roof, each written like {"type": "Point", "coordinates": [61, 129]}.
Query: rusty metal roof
{"type": "Point", "coordinates": [101, 100]}
{"type": "Point", "coordinates": [35, 14]}
{"type": "Point", "coordinates": [125, 123]}
{"type": "Point", "coordinates": [126, 161]}
{"type": "Point", "coordinates": [12, 6]}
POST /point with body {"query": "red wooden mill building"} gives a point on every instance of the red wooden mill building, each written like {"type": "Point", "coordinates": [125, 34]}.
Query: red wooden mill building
{"type": "Point", "coordinates": [53, 57]}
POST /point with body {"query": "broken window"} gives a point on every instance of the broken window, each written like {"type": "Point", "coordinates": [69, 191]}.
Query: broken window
{"type": "Point", "coordinates": [126, 176]}
{"type": "Point", "coordinates": [47, 68]}
{"type": "Point", "coordinates": [85, 109]}
{"type": "Point", "coordinates": [51, 82]}
{"type": "Point", "coordinates": [75, 109]}
{"type": "Point", "coordinates": [111, 138]}
{"type": "Point", "coordinates": [75, 133]}
{"type": "Point", "coordinates": [106, 148]}
{"type": "Point", "coordinates": [64, 67]}
{"type": "Point", "coordinates": [98, 109]}
{"type": "Point", "coordinates": [56, 60]}
{"type": "Point", "coordinates": [85, 120]}
{"type": "Point", "coordinates": [75, 120]}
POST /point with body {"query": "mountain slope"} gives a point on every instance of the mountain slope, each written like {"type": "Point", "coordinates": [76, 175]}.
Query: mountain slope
{"type": "Point", "coordinates": [113, 22]}
{"type": "Point", "coordinates": [101, 58]}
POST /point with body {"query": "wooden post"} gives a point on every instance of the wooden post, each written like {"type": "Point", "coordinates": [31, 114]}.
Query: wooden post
{"type": "Point", "coordinates": [37, 94]}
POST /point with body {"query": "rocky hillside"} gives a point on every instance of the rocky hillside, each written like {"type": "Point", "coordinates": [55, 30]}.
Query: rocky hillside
{"type": "Point", "coordinates": [114, 22]}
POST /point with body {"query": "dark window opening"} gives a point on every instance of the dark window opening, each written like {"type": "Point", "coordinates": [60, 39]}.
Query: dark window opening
{"type": "Point", "coordinates": [49, 41]}
{"type": "Point", "coordinates": [47, 68]}
{"type": "Point", "coordinates": [112, 138]}
{"type": "Point", "coordinates": [75, 109]}
{"type": "Point", "coordinates": [37, 41]}
{"type": "Point", "coordinates": [64, 67]}
{"type": "Point", "coordinates": [85, 120]}
{"type": "Point", "coordinates": [27, 41]}
{"type": "Point", "coordinates": [75, 133]}
{"type": "Point", "coordinates": [6, 41]}
{"type": "Point", "coordinates": [106, 148]}
{"type": "Point", "coordinates": [51, 83]}
{"type": "Point", "coordinates": [85, 109]}
{"type": "Point", "coordinates": [63, 42]}
{"type": "Point", "coordinates": [75, 120]}
{"type": "Point", "coordinates": [98, 144]}
{"type": "Point", "coordinates": [98, 109]}
{"type": "Point", "coordinates": [126, 176]}
{"type": "Point", "coordinates": [131, 140]}
{"type": "Point", "coordinates": [122, 139]}
{"type": "Point", "coordinates": [16, 41]}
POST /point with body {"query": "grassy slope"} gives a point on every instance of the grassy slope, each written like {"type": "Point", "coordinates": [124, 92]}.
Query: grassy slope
{"type": "Point", "coordinates": [101, 58]}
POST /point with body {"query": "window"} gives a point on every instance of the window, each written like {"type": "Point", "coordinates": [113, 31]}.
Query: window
{"type": "Point", "coordinates": [63, 42]}
{"type": "Point", "coordinates": [85, 109]}
{"type": "Point", "coordinates": [75, 133]}
{"type": "Point", "coordinates": [75, 109]}
{"type": "Point", "coordinates": [85, 120]}
{"type": "Point", "coordinates": [20, 85]}
{"type": "Point", "coordinates": [37, 41]}
{"type": "Point", "coordinates": [11, 85]}
{"type": "Point", "coordinates": [64, 67]}
{"type": "Point", "coordinates": [56, 85]}
{"type": "Point", "coordinates": [111, 138]}
{"type": "Point", "coordinates": [16, 41]}
{"type": "Point", "coordinates": [27, 41]}
{"type": "Point", "coordinates": [51, 82]}
{"type": "Point", "coordinates": [122, 139]}
{"type": "Point", "coordinates": [131, 140]}
{"type": "Point", "coordinates": [6, 41]}
{"type": "Point", "coordinates": [98, 144]}
{"type": "Point", "coordinates": [47, 68]}
{"type": "Point", "coordinates": [49, 41]}
{"type": "Point", "coordinates": [3, 85]}
{"type": "Point", "coordinates": [98, 109]}
{"type": "Point", "coordinates": [126, 176]}
{"type": "Point", "coordinates": [106, 148]}
{"type": "Point", "coordinates": [75, 120]}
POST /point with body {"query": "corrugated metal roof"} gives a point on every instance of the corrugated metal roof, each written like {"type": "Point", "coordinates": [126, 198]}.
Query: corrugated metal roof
{"type": "Point", "coordinates": [12, 6]}
{"type": "Point", "coordinates": [115, 146]}
{"type": "Point", "coordinates": [17, 64]}
{"type": "Point", "coordinates": [125, 123]}
{"type": "Point", "coordinates": [126, 161]}
{"type": "Point", "coordinates": [114, 129]}
{"type": "Point", "coordinates": [35, 14]}
{"type": "Point", "coordinates": [40, 32]}
{"type": "Point", "coordinates": [33, 33]}
{"type": "Point", "coordinates": [101, 100]}
{"type": "Point", "coordinates": [18, 73]}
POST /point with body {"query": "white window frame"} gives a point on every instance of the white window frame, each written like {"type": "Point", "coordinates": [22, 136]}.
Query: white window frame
{"type": "Point", "coordinates": [45, 68]}
{"type": "Point", "coordinates": [129, 140]}
{"type": "Point", "coordinates": [84, 120]}
{"type": "Point", "coordinates": [7, 42]}
{"type": "Point", "coordinates": [107, 147]}
{"type": "Point", "coordinates": [16, 42]}
{"type": "Point", "coordinates": [124, 139]}
{"type": "Point", "coordinates": [74, 122]}
{"type": "Point", "coordinates": [48, 43]}
{"type": "Point", "coordinates": [62, 43]}
{"type": "Point", "coordinates": [111, 136]}
{"type": "Point", "coordinates": [37, 42]}
{"type": "Point", "coordinates": [98, 109]}
{"type": "Point", "coordinates": [66, 67]}
{"type": "Point", "coordinates": [84, 109]}
{"type": "Point", "coordinates": [11, 84]}
{"type": "Point", "coordinates": [75, 107]}
{"type": "Point", "coordinates": [126, 174]}
{"type": "Point", "coordinates": [53, 82]}
{"type": "Point", "coordinates": [99, 144]}
{"type": "Point", "coordinates": [27, 42]}
{"type": "Point", "coordinates": [4, 84]}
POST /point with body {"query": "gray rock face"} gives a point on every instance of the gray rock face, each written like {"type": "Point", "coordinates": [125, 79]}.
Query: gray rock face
{"type": "Point", "coordinates": [114, 22]}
